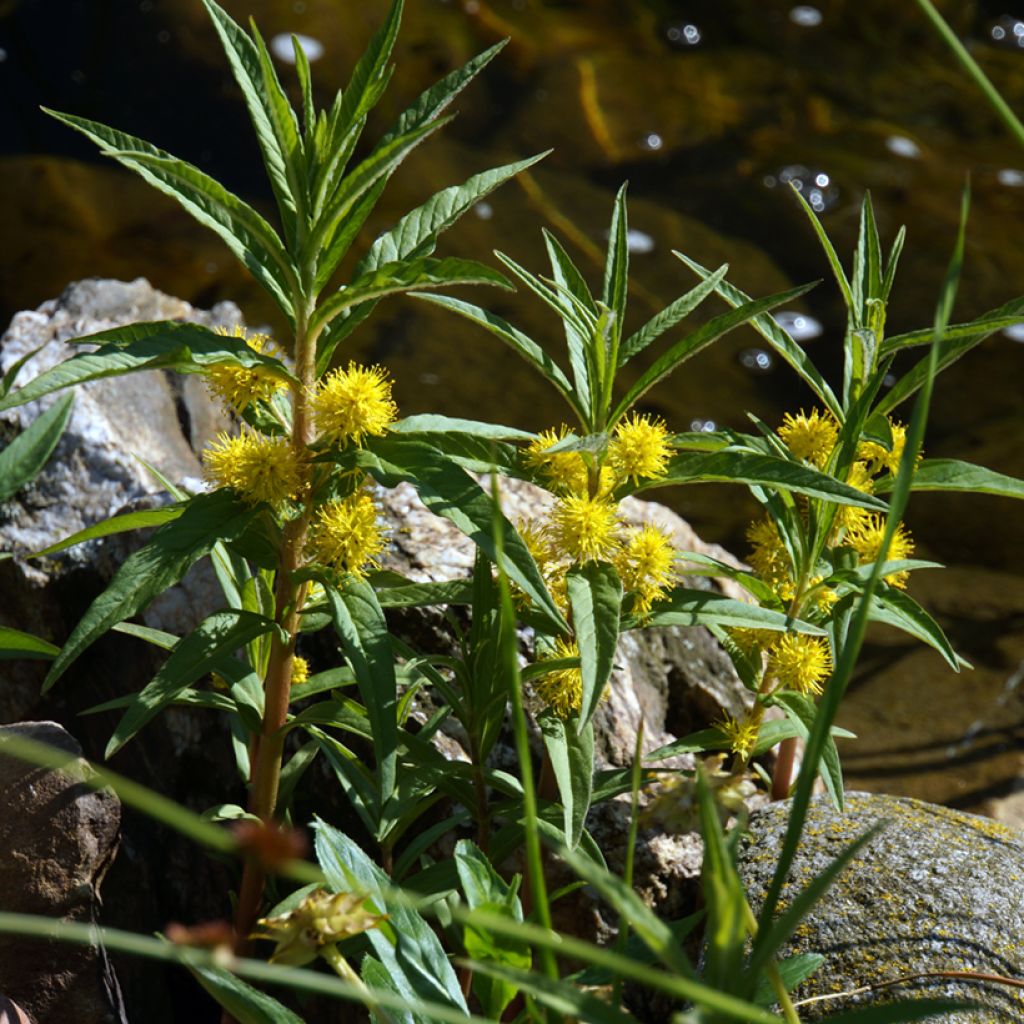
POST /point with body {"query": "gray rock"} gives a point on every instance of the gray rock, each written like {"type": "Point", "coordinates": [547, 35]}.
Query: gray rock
{"type": "Point", "coordinates": [937, 890]}
{"type": "Point", "coordinates": [58, 838]}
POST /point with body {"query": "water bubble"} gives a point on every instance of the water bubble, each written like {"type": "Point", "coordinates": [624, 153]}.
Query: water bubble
{"type": "Point", "coordinates": [652, 141]}
{"type": "Point", "coordinates": [813, 184]}
{"type": "Point", "coordinates": [483, 210]}
{"type": "Point", "coordinates": [78, 76]}
{"type": "Point", "coordinates": [1007, 31]}
{"type": "Point", "coordinates": [889, 380]}
{"type": "Point", "coordinates": [756, 360]}
{"type": "Point", "coordinates": [281, 47]}
{"type": "Point", "coordinates": [163, 36]}
{"type": "Point", "coordinates": [1015, 332]}
{"type": "Point", "coordinates": [211, 266]}
{"type": "Point", "coordinates": [902, 146]}
{"type": "Point", "coordinates": [3, 55]}
{"type": "Point", "coordinates": [703, 426]}
{"type": "Point", "coordinates": [799, 326]}
{"type": "Point", "coordinates": [639, 241]}
{"type": "Point", "coordinates": [683, 34]}
{"type": "Point", "coordinates": [429, 378]}
{"type": "Point", "coordinates": [1010, 176]}
{"type": "Point", "coordinates": [806, 16]}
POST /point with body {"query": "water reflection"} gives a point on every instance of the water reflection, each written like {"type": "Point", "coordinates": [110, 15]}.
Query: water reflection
{"type": "Point", "coordinates": [639, 241]}
{"type": "Point", "coordinates": [281, 47]}
{"type": "Point", "coordinates": [1015, 332]}
{"type": "Point", "coordinates": [703, 426]}
{"type": "Point", "coordinates": [756, 360]}
{"type": "Point", "coordinates": [683, 34]}
{"type": "Point", "coordinates": [1010, 176]}
{"type": "Point", "coordinates": [815, 185]}
{"type": "Point", "coordinates": [806, 16]}
{"type": "Point", "coordinates": [799, 326]}
{"type": "Point", "coordinates": [1007, 31]}
{"type": "Point", "coordinates": [902, 146]}
{"type": "Point", "coordinates": [652, 141]}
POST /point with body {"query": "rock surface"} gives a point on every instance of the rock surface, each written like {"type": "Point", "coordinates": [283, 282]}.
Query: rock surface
{"type": "Point", "coordinates": [58, 838]}
{"type": "Point", "coordinates": [936, 890]}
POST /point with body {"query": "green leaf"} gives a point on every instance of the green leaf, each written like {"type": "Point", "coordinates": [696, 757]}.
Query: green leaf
{"type": "Point", "coordinates": [273, 119]}
{"type": "Point", "coordinates": [763, 471]}
{"type": "Point", "coordinates": [245, 1004]}
{"type": "Point", "coordinates": [407, 946]}
{"type": "Point", "coordinates": [903, 1011]}
{"type": "Point", "coordinates": [897, 608]}
{"type": "Point", "coordinates": [792, 971]}
{"type": "Point", "coordinates": [515, 339]}
{"type": "Point", "coordinates": [244, 231]}
{"type": "Point", "coordinates": [24, 458]}
{"type": "Point", "coordinates": [833, 259]}
{"type": "Point", "coordinates": [670, 315]}
{"type": "Point", "coordinates": [116, 524]}
{"type": "Point", "coordinates": [615, 289]}
{"type": "Point", "coordinates": [595, 595]}
{"type": "Point", "coordinates": [700, 339]}
{"type": "Point", "coordinates": [571, 752]}
{"type": "Point", "coordinates": [779, 339]}
{"type": "Point", "coordinates": [16, 644]}
{"type": "Point", "coordinates": [450, 492]}
{"type": "Point", "coordinates": [367, 647]}
{"type": "Point", "coordinates": [432, 423]}
{"type": "Point", "coordinates": [376, 975]}
{"type": "Point", "coordinates": [683, 607]}
{"type": "Point", "coordinates": [328, 241]}
{"type": "Point", "coordinates": [1007, 315]}
{"type": "Point", "coordinates": [215, 639]}
{"type": "Point", "coordinates": [403, 276]}
{"type": "Point", "coordinates": [168, 345]}
{"type": "Point", "coordinates": [149, 571]}
{"type": "Point", "coordinates": [425, 595]}
{"type": "Point", "coordinates": [954, 475]}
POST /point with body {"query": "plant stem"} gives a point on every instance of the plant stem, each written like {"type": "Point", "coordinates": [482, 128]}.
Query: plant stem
{"type": "Point", "coordinates": [782, 775]}
{"type": "Point", "coordinates": [772, 970]}
{"type": "Point", "coordinates": [344, 970]}
{"type": "Point", "coordinates": [268, 747]}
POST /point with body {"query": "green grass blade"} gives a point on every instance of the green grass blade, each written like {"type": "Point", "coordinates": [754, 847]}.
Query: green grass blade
{"type": "Point", "coordinates": [15, 644]}
{"type": "Point", "coordinates": [245, 1004]}
{"type": "Point", "coordinates": [24, 458]}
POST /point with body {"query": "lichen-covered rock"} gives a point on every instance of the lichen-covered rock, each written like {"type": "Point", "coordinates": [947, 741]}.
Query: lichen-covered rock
{"type": "Point", "coordinates": [58, 837]}
{"type": "Point", "coordinates": [937, 890]}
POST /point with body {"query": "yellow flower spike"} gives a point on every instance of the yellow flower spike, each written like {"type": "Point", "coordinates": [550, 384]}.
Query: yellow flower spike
{"type": "Point", "coordinates": [849, 516]}
{"type": "Point", "coordinates": [639, 448]}
{"type": "Point", "coordinates": [800, 662]}
{"type": "Point", "coordinates": [321, 919]}
{"type": "Point", "coordinates": [347, 535]}
{"type": "Point", "coordinates": [584, 528]}
{"type": "Point", "coordinates": [811, 437]}
{"type": "Point", "coordinates": [866, 539]}
{"type": "Point", "coordinates": [879, 458]}
{"type": "Point", "coordinates": [644, 564]}
{"type": "Point", "coordinates": [351, 404]}
{"type": "Point", "coordinates": [769, 557]}
{"type": "Point", "coordinates": [300, 670]}
{"type": "Point", "coordinates": [258, 468]}
{"type": "Point", "coordinates": [562, 690]}
{"type": "Point", "coordinates": [240, 386]}
{"type": "Point", "coordinates": [741, 735]}
{"type": "Point", "coordinates": [564, 472]}
{"type": "Point", "coordinates": [821, 598]}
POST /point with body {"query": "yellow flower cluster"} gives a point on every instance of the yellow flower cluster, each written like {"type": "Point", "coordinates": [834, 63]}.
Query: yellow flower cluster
{"type": "Point", "coordinates": [740, 734]}
{"type": "Point", "coordinates": [562, 689]}
{"type": "Point", "coordinates": [258, 468]}
{"type": "Point", "coordinates": [810, 437]}
{"type": "Point", "coordinates": [346, 534]}
{"type": "Point", "coordinates": [239, 386]}
{"type": "Point", "coordinates": [796, 661]}
{"type": "Point", "coordinates": [354, 403]}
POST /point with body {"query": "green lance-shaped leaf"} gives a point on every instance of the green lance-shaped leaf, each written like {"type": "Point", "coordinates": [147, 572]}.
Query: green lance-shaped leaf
{"type": "Point", "coordinates": [516, 340]}
{"type": "Point", "coordinates": [166, 345]}
{"type": "Point", "coordinates": [245, 1004]}
{"type": "Point", "coordinates": [359, 620]}
{"type": "Point", "coordinates": [833, 258]}
{"type": "Point", "coordinates": [274, 121]}
{"type": "Point", "coordinates": [793, 971]}
{"type": "Point", "coordinates": [16, 644]}
{"type": "Point", "coordinates": [684, 607]}
{"type": "Point", "coordinates": [867, 261]}
{"type": "Point", "coordinates": [670, 316]}
{"type": "Point", "coordinates": [1007, 315]}
{"type": "Point", "coordinates": [595, 594]}
{"type": "Point", "coordinates": [571, 753]}
{"type": "Point", "coordinates": [403, 276]}
{"type": "Point", "coordinates": [140, 520]}
{"type": "Point", "coordinates": [954, 475]}
{"type": "Point", "coordinates": [328, 241]}
{"type": "Point", "coordinates": [24, 458]}
{"type": "Point", "coordinates": [364, 89]}
{"type": "Point", "coordinates": [700, 339]}
{"type": "Point", "coordinates": [406, 945]}
{"type": "Point", "coordinates": [213, 641]}
{"type": "Point", "coordinates": [778, 338]}
{"type": "Point", "coordinates": [448, 491]}
{"type": "Point", "coordinates": [244, 231]}
{"type": "Point", "coordinates": [615, 288]}
{"type": "Point", "coordinates": [899, 609]}
{"type": "Point", "coordinates": [152, 569]}
{"type": "Point", "coordinates": [764, 471]}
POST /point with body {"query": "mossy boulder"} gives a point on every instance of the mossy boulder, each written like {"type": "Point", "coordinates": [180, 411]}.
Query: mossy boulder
{"type": "Point", "coordinates": [936, 891]}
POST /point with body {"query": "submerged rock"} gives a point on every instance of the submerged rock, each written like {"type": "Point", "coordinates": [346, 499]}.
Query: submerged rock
{"type": "Point", "coordinates": [936, 890]}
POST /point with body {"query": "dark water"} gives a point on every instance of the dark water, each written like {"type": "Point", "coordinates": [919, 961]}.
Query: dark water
{"type": "Point", "coordinates": [708, 109]}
